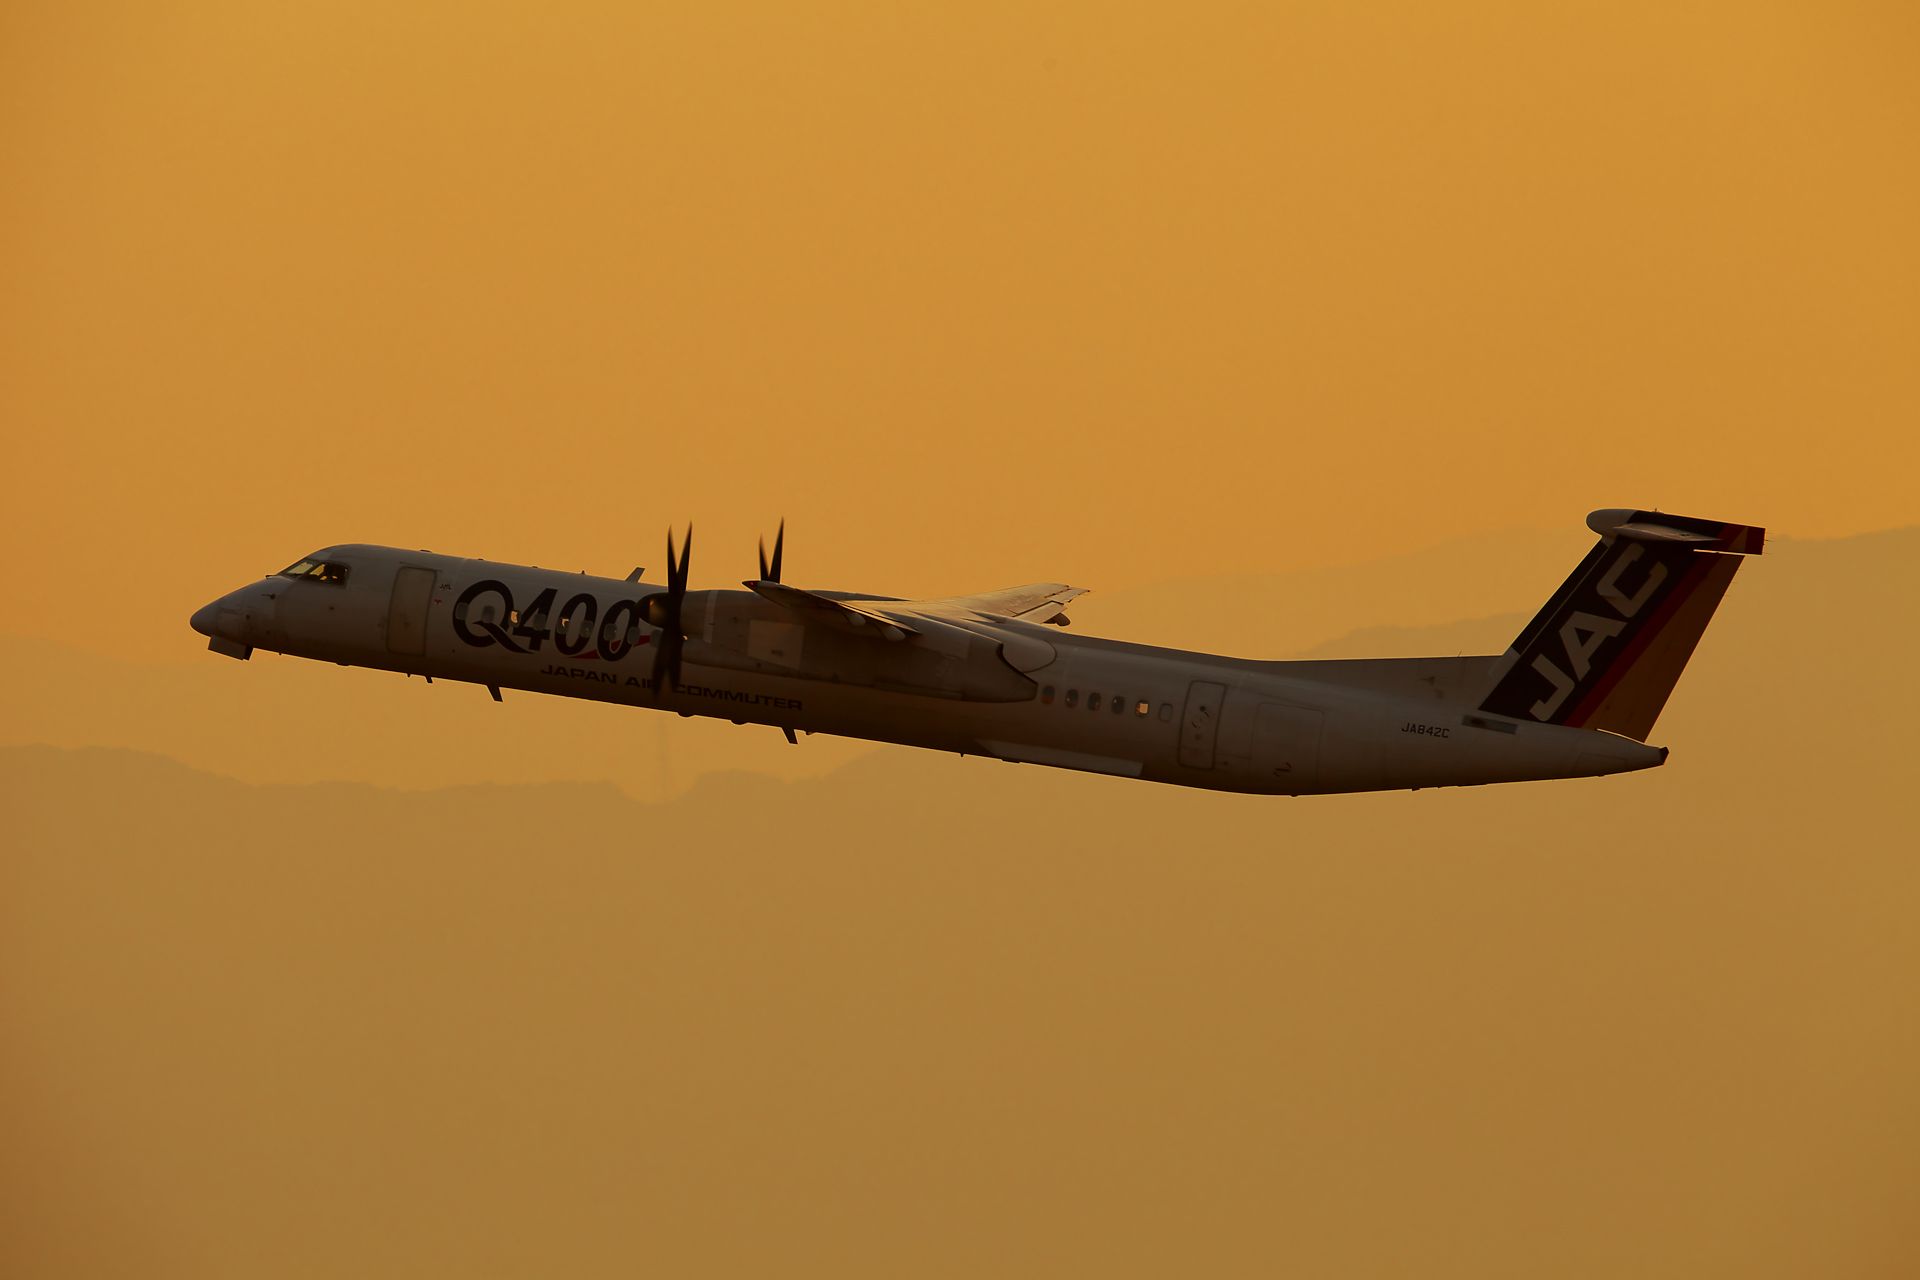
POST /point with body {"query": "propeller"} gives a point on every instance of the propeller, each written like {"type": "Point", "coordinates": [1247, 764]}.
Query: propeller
{"type": "Point", "coordinates": [663, 611]}
{"type": "Point", "coordinates": [770, 572]}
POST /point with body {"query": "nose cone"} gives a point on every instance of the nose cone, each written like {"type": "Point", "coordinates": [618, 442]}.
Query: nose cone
{"type": "Point", "coordinates": [237, 621]}
{"type": "Point", "coordinates": [223, 619]}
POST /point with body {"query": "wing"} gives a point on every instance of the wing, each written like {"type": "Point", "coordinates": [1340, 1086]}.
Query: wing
{"type": "Point", "coordinates": [893, 619]}
{"type": "Point", "coordinates": [1036, 602]}
{"type": "Point", "coordinates": [841, 615]}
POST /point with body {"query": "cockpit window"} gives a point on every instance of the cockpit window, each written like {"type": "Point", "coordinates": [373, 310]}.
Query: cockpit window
{"type": "Point", "coordinates": [318, 570]}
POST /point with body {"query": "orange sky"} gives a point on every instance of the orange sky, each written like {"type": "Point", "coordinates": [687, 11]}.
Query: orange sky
{"type": "Point", "coordinates": [973, 296]}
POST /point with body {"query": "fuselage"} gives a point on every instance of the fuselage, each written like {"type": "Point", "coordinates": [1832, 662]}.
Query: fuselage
{"type": "Point", "coordinates": [1014, 690]}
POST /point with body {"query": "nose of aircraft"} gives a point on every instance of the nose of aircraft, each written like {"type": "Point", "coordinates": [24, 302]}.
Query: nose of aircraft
{"type": "Point", "coordinates": [237, 621]}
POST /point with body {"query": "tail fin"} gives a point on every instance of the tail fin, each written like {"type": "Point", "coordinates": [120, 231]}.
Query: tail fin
{"type": "Point", "coordinates": [1607, 649]}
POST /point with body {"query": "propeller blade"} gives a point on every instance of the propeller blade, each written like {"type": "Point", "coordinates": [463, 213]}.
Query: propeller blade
{"type": "Point", "coordinates": [666, 664]}
{"type": "Point", "coordinates": [677, 571]}
{"type": "Point", "coordinates": [663, 646]}
{"type": "Point", "coordinates": [665, 614]}
{"type": "Point", "coordinates": [770, 570]}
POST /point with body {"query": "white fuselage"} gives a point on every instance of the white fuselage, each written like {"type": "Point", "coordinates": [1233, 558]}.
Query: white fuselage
{"type": "Point", "coordinates": [1012, 690]}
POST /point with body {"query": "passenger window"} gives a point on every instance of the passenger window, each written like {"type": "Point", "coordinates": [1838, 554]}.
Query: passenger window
{"type": "Point", "coordinates": [1142, 707]}
{"type": "Point", "coordinates": [1073, 697]}
{"type": "Point", "coordinates": [1093, 702]}
{"type": "Point", "coordinates": [1119, 705]}
{"type": "Point", "coordinates": [1046, 696]}
{"type": "Point", "coordinates": [1166, 713]}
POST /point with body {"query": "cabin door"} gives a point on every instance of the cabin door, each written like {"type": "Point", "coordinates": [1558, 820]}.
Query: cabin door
{"type": "Point", "coordinates": [407, 612]}
{"type": "Point", "coordinates": [1201, 723]}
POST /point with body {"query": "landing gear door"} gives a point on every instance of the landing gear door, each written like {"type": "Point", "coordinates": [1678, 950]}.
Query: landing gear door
{"type": "Point", "coordinates": [1286, 746]}
{"type": "Point", "coordinates": [1201, 723]}
{"type": "Point", "coordinates": [407, 612]}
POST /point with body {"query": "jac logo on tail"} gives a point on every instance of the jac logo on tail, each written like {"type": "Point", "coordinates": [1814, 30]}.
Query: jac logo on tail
{"type": "Point", "coordinates": [1580, 636]}
{"type": "Point", "coordinates": [1583, 633]}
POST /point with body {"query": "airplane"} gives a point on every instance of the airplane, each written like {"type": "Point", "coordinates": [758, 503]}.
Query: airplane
{"type": "Point", "coordinates": [1575, 695]}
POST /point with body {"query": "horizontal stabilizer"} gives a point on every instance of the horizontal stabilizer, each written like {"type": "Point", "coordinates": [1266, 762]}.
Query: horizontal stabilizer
{"type": "Point", "coordinates": [1655, 526]}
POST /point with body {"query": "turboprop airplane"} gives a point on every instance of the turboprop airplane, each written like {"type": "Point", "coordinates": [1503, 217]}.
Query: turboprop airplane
{"type": "Point", "coordinates": [1574, 696]}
